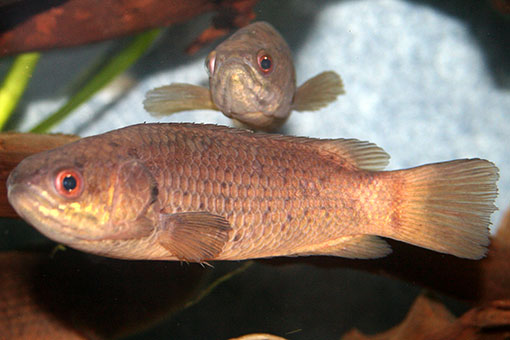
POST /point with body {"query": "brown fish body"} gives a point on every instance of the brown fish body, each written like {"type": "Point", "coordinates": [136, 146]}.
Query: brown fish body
{"type": "Point", "coordinates": [203, 192]}
{"type": "Point", "coordinates": [251, 80]}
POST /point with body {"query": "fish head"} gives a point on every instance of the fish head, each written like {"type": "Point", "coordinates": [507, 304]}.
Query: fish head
{"type": "Point", "coordinates": [252, 71]}
{"type": "Point", "coordinates": [74, 194]}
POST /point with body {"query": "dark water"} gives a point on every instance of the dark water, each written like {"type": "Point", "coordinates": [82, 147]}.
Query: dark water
{"type": "Point", "coordinates": [290, 298]}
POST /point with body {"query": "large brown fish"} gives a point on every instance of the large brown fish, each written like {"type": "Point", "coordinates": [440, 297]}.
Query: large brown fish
{"type": "Point", "coordinates": [204, 192]}
{"type": "Point", "coordinates": [251, 80]}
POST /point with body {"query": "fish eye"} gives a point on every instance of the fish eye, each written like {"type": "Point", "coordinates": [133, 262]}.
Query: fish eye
{"type": "Point", "coordinates": [69, 183]}
{"type": "Point", "coordinates": [210, 62]}
{"type": "Point", "coordinates": [265, 62]}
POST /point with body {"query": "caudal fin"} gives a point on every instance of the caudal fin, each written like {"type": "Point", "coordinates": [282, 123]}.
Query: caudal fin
{"type": "Point", "coordinates": [447, 206]}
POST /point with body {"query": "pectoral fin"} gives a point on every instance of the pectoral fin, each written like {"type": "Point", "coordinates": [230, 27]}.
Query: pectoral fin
{"type": "Point", "coordinates": [354, 247]}
{"type": "Point", "coordinates": [177, 97]}
{"type": "Point", "coordinates": [318, 92]}
{"type": "Point", "coordinates": [194, 236]}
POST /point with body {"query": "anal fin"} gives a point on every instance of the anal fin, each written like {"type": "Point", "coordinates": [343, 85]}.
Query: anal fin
{"type": "Point", "coordinates": [194, 236]}
{"type": "Point", "coordinates": [352, 246]}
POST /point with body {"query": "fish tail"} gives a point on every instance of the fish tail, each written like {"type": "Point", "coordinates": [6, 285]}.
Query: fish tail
{"type": "Point", "coordinates": [446, 207]}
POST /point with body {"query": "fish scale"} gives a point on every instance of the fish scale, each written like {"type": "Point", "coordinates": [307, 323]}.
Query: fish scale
{"type": "Point", "coordinates": [203, 192]}
{"type": "Point", "coordinates": [245, 205]}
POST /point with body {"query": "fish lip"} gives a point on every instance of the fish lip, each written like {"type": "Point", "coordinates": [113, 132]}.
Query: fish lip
{"type": "Point", "coordinates": [25, 200]}
{"type": "Point", "coordinates": [221, 82]}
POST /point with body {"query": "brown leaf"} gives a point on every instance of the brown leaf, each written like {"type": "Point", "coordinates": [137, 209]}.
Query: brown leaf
{"type": "Point", "coordinates": [502, 6]}
{"type": "Point", "coordinates": [44, 24]}
{"type": "Point", "coordinates": [428, 319]}
{"type": "Point", "coordinates": [235, 14]}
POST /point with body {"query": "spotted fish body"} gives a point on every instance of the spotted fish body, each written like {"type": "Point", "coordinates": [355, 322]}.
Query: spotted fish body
{"type": "Point", "coordinates": [204, 192]}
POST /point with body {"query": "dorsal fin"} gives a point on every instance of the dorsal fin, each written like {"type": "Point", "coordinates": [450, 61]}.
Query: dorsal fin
{"type": "Point", "coordinates": [349, 152]}
{"type": "Point", "coordinates": [363, 155]}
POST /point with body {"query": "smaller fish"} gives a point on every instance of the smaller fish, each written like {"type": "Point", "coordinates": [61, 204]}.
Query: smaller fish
{"type": "Point", "coordinates": [251, 80]}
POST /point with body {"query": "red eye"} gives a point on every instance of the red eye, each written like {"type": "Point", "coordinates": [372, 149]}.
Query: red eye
{"type": "Point", "coordinates": [210, 62]}
{"type": "Point", "coordinates": [69, 183]}
{"type": "Point", "coordinates": [265, 62]}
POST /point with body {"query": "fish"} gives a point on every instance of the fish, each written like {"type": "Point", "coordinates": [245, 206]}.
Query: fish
{"type": "Point", "coordinates": [200, 193]}
{"type": "Point", "coordinates": [251, 80]}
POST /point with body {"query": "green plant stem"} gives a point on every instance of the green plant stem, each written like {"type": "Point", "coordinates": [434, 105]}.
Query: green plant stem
{"type": "Point", "coordinates": [115, 66]}
{"type": "Point", "coordinates": [217, 282]}
{"type": "Point", "coordinates": [15, 83]}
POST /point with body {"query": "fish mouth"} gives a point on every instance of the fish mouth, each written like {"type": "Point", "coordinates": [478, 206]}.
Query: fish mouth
{"type": "Point", "coordinates": [235, 86]}
{"type": "Point", "coordinates": [34, 208]}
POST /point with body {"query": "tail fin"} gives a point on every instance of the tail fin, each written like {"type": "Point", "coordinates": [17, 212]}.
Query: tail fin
{"type": "Point", "coordinates": [446, 207]}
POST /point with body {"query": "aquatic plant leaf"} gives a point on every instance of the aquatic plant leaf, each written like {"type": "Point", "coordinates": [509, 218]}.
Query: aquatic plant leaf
{"type": "Point", "coordinates": [208, 290]}
{"type": "Point", "coordinates": [115, 66]}
{"type": "Point", "coordinates": [15, 83]}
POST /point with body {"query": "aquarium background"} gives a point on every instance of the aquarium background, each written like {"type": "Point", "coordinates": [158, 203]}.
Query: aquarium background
{"type": "Point", "coordinates": [428, 81]}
